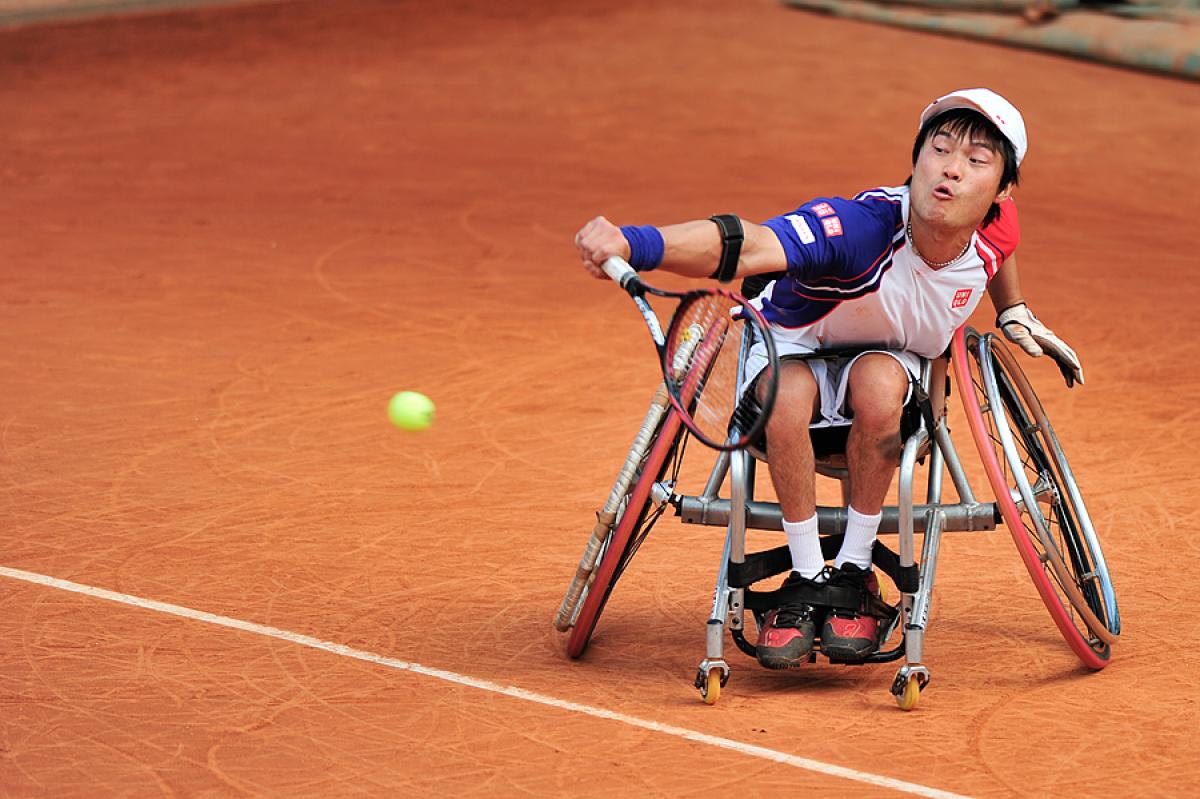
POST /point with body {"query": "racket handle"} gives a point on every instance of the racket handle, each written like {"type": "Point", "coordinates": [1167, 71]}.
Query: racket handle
{"type": "Point", "coordinates": [622, 273]}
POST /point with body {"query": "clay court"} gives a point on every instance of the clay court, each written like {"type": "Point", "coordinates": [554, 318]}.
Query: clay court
{"type": "Point", "coordinates": [228, 235]}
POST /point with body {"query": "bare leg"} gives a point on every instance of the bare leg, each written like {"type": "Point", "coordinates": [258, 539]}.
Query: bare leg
{"type": "Point", "coordinates": [786, 638]}
{"type": "Point", "coordinates": [793, 468]}
{"type": "Point", "coordinates": [877, 386]}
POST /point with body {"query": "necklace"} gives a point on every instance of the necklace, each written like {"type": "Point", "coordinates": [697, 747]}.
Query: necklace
{"type": "Point", "coordinates": [934, 264]}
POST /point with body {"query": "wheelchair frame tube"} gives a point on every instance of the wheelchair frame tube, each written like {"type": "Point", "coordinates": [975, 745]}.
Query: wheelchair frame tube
{"type": "Point", "coordinates": [741, 487]}
{"type": "Point", "coordinates": [905, 509]}
{"type": "Point", "coordinates": [733, 551]}
{"type": "Point", "coordinates": [714, 643]}
{"type": "Point", "coordinates": [915, 606]}
{"type": "Point", "coordinates": [933, 494]}
{"type": "Point", "coordinates": [913, 634]}
{"type": "Point", "coordinates": [961, 517]}
{"type": "Point", "coordinates": [713, 487]}
{"type": "Point", "coordinates": [958, 475]}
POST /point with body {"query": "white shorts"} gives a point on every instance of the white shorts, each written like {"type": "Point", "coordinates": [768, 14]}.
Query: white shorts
{"type": "Point", "coordinates": [832, 375]}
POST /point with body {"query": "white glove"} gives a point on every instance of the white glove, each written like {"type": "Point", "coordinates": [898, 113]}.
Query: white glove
{"type": "Point", "coordinates": [1022, 328]}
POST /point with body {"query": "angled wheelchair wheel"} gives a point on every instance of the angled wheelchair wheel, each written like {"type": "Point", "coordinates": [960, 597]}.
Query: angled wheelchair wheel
{"type": "Point", "coordinates": [1037, 495]}
{"type": "Point", "coordinates": [641, 506]}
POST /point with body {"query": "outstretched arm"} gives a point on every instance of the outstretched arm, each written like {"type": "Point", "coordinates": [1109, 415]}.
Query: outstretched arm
{"type": "Point", "coordinates": [1005, 288]}
{"type": "Point", "coordinates": [1024, 329]}
{"type": "Point", "coordinates": [692, 249]}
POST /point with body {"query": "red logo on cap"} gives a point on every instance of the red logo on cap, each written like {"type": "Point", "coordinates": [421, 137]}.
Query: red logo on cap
{"type": "Point", "coordinates": [960, 298]}
{"type": "Point", "coordinates": [832, 225]}
{"type": "Point", "coordinates": [823, 209]}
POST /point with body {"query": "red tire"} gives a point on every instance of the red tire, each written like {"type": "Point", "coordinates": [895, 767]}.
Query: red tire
{"type": "Point", "coordinates": [1057, 593]}
{"type": "Point", "coordinates": [640, 513]}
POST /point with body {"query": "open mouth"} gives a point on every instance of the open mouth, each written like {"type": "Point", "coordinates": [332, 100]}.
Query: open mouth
{"type": "Point", "coordinates": [943, 192]}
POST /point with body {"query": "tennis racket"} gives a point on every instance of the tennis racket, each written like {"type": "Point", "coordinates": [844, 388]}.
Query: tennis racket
{"type": "Point", "coordinates": [702, 355]}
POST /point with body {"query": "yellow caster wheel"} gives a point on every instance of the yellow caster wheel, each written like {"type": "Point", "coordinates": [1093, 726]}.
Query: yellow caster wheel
{"type": "Point", "coordinates": [710, 691]}
{"type": "Point", "coordinates": [907, 699]}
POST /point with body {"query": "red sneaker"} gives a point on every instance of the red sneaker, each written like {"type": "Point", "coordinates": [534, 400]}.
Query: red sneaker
{"type": "Point", "coordinates": [849, 634]}
{"type": "Point", "coordinates": [786, 638]}
{"type": "Point", "coordinates": [787, 635]}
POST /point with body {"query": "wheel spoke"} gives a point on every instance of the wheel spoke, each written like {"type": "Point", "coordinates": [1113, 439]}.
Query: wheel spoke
{"type": "Point", "coordinates": [1040, 500]}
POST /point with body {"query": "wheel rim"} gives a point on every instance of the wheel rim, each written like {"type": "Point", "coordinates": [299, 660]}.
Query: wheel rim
{"type": "Point", "coordinates": [1049, 509]}
{"type": "Point", "coordinates": [628, 532]}
{"type": "Point", "coordinates": [1051, 499]}
{"type": "Point", "coordinates": [1091, 649]}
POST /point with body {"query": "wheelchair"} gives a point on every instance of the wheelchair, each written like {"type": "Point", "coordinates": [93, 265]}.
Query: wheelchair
{"type": "Point", "coordinates": [1034, 494]}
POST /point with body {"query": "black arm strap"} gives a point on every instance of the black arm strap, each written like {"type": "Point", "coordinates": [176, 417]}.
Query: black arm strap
{"type": "Point", "coordinates": [732, 236]}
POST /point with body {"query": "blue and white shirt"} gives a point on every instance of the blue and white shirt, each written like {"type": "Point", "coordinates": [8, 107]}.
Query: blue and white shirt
{"type": "Point", "coordinates": [854, 280]}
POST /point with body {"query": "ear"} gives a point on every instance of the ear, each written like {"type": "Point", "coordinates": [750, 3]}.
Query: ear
{"type": "Point", "coordinates": [1004, 194]}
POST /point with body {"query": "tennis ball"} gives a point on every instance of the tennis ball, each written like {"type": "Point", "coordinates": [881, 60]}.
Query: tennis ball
{"type": "Point", "coordinates": [411, 410]}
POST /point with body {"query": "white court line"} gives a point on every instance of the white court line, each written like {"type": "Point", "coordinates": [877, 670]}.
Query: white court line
{"type": "Point", "coordinates": [484, 685]}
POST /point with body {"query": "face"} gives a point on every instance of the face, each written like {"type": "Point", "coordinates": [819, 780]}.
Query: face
{"type": "Point", "coordinates": [955, 181]}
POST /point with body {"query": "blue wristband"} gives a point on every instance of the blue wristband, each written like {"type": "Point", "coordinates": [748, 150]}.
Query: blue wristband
{"type": "Point", "coordinates": [645, 246]}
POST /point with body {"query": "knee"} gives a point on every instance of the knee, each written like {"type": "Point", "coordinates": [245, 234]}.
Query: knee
{"type": "Point", "coordinates": [876, 397]}
{"type": "Point", "coordinates": [878, 412]}
{"type": "Point", "coordinates": [795, 401]}
{"type": "Point", "coordinates": [789, 418]}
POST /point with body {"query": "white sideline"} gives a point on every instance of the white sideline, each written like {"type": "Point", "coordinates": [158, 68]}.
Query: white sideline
{"type": "Point", "coordinates": [484, 685]}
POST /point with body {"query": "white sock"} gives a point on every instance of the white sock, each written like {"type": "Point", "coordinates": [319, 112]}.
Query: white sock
{"type": "Point", "coordinates": [860, 538]}
{"type": "Point", "coordinates": [805, 546]}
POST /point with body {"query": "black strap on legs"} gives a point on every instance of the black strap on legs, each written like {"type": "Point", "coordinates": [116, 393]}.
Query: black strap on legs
{"type": "Point", "coordinates": [761, 565]}
{"type": "Point", "coordinates": [823, 595]}
{"type": "Point", "coordinates": [732, 235]}
{"type": "Point", "coordinates": [919, 408]}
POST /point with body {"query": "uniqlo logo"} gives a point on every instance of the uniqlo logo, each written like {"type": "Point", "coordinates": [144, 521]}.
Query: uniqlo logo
{"type": "Point", "coordinates": [960, 298]}
{"type": "Point", "coordinates": [823, 209]}
{"type": "Point", "coordinates": [832, 225]}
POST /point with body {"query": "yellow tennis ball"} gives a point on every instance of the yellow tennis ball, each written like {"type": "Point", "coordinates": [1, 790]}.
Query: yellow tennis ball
{"type": "Point", "coordinates": [411, 410]}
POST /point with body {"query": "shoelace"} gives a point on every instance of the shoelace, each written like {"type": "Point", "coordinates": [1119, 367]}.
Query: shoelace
{"type": "Point", "coordinates": [825, 575]}
{"type": "Point", "coordinates": [856, 580]}
{"type": "Point", "coordinates": [849, 579]}
{"type": "Point", "coordinates": [791, 615]}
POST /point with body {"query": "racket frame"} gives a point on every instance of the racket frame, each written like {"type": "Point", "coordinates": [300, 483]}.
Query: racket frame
{"type": "Point", "coordinates": [628, 279]}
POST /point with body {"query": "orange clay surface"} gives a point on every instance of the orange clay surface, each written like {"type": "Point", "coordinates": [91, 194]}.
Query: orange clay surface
{"type": "Point", "coordinates": [228, 236]}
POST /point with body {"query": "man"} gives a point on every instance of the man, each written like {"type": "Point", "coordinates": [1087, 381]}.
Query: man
{"type": "Point", "coordinates": [898, 268]}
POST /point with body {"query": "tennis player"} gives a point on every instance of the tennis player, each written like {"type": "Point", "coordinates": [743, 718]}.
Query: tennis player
{"type": "Point", "coordinates": [897, 269]}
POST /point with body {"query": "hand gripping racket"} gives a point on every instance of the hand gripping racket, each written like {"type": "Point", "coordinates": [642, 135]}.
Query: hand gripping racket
{"type": "Point", "coordinates": [702, 359]}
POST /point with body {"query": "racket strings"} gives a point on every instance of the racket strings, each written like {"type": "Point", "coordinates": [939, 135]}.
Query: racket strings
{"type": "Point", "coordinates": [703, 351]}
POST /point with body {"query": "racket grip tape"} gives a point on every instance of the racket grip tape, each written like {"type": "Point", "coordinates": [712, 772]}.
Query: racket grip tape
{"type": "Point", "coordinates": [621, 272]}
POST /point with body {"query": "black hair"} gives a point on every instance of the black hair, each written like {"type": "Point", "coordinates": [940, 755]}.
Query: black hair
{"type": "Point", "coordinates": [970, 125]}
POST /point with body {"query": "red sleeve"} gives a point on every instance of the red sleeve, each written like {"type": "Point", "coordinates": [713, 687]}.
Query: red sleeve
{"type": "Point", "coordinates": [1004, 232]}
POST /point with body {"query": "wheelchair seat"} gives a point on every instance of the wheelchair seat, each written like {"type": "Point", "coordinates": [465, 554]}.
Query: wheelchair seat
{"type": "Point", "coordinates": [829, 441]}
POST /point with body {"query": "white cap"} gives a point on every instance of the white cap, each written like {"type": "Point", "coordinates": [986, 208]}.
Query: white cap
{"type": "Point", "coordinates": [1001, 112]}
